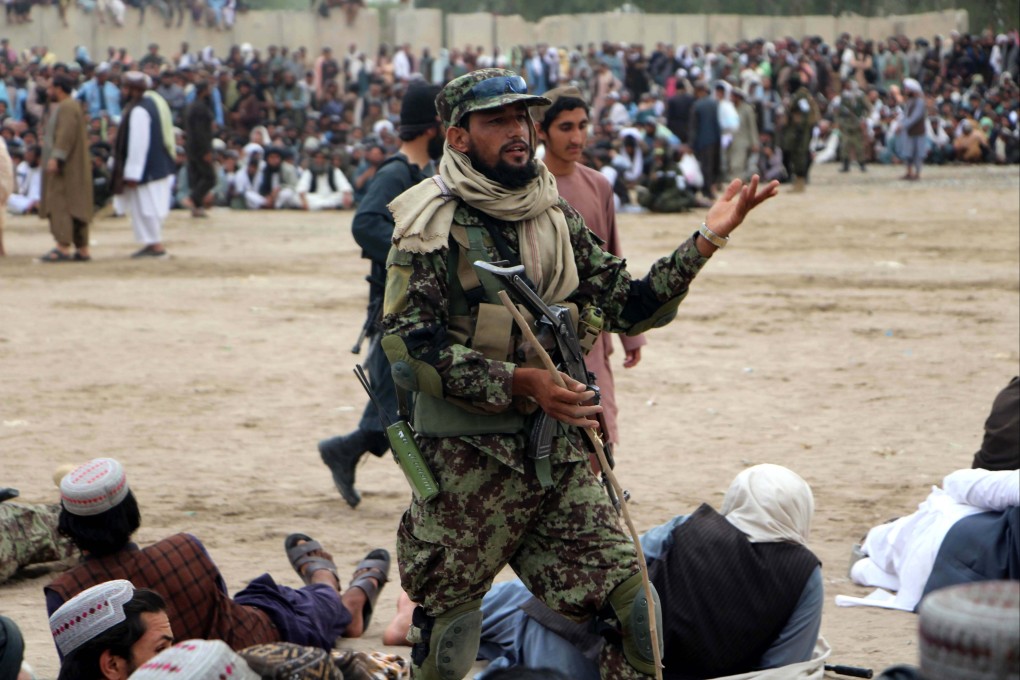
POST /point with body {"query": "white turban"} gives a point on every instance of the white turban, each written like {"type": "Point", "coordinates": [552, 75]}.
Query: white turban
{"type": "Point", "coordinates": [911, 85]}
{"type": "Point", "coordinates": [770, 504]}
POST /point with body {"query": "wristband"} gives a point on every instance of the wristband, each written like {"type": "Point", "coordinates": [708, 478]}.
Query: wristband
{"type": "Point", "coordinates": [712, 237]}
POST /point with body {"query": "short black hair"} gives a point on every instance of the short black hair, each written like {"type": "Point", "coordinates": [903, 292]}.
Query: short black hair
{"type": "Point", "coordinates": [65, 83]}
{"type": "Point", "coordinates": [83, 662]}
{"type": "Point", "coordinates": [105, 533]}
{"type": "Point", "coordinates": [559, 106]}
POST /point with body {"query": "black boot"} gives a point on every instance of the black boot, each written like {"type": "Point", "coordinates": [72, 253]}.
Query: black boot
{"type": "Point", "coordinates": [864, 168]}
{"type": "Point", "coordinates": [341, 456]}
{"type": "Point", "coordinates": [846, 165]}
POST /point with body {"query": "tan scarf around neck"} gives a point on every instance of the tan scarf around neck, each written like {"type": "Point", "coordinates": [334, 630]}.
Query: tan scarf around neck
{"type": "Point", "coordinates": [424, 213]}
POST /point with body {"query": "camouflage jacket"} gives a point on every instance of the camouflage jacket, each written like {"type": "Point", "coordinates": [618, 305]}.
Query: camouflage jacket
{"type": "Point", "coordinates": [417, 310]}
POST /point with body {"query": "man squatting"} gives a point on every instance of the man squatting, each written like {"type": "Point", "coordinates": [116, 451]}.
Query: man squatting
{"type": "Point", "coordinates": [452, 343]}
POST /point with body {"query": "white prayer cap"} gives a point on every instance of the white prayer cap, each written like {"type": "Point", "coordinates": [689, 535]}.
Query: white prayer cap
{"type": "Point", "coordinates": [89, 614]}
{"type": "Point", "coordinates": [137, 79]}
{"type": "Point", "coordinates": [911, 85]}
{"type": "Point", "coordinates": [104, 67]}
{"type": "Point", "coordinates": [196, 660]}
{"type": "Point", "coordinates": [94, 487]}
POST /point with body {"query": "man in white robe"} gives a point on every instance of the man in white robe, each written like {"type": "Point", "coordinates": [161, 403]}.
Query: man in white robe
{"type": "Point", "coordinates": [27, 184]}
{"type": "Point", "coordinates": [324, 187]}
{"type": "Point", "coordinates": [145, 164]}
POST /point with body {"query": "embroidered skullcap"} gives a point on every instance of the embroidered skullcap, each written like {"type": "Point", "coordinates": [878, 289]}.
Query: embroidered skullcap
{"type": "Point", "coordinates": [288, 661]}
{"type": "Point", "coordinates": [94, 487]}
{"type": "Point", "coordinates": [89, 614]}
{"type": "Point", "coordinates": [196, 660]}
{"type": "Point", "coordinates": [911, 85]}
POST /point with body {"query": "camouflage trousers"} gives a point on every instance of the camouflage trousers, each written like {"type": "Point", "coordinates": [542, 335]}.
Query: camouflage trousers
{"type": "Point", "coordinates": [851, 141]}
{"type": "Point", "coordinates": [565, 542]}
{"type": "Point", "coordinates": [28, 535]}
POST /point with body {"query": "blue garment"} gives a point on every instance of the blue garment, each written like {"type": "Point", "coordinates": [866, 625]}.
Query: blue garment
{"type": "Point", "coordinates": [20, 102]}
{"type": "Point", "coordinates": [512, 638]}
{"type": "Point", "coordinates": [90, 94]}
{"type": "Point", "coordinates": [312, 616]}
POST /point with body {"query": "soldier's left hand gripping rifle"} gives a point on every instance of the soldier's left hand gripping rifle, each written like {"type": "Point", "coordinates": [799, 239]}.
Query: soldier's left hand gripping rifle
{"type": "Point", "coordinates": [556, 328]}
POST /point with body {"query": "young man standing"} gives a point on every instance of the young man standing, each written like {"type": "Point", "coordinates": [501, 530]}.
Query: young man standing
{"type": "Point", "coordinates": [563, 129]}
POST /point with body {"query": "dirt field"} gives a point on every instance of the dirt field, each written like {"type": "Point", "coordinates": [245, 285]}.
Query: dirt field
{"type": "Point", "coordinates": [856, 333]}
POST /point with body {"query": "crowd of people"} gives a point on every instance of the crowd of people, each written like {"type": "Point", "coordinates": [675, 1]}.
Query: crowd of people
{"type": "Point", "coordinates": [737, 590]}
{"type": "Point", "coordinates": [291, 130]}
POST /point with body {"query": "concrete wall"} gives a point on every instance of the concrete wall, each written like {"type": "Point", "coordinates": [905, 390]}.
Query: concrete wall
{"type": "Point", "coordinates": [421, 28]}
{"type": "Point", "coordinates": [263, 28]}
{"type": "Point", "coordinates": [425, 28]}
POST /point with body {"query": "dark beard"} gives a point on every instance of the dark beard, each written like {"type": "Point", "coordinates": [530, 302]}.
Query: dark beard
{"type": "Point", "coordinates": [505, 174]}
{"type": "Point", "coordinates": [435, 147]}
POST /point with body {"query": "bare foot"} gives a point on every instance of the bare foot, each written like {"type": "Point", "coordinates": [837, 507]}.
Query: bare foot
{"type": "Point", "coordinates": [395, 634]}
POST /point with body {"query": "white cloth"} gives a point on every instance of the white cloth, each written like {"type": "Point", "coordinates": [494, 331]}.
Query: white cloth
{"type": "Point", "coordinates": [901, 554]}
{"type": "Point", "coordinates": [770, 503]}
{"type": "Point", "coordinates": [324, 198]}
{"type": "Point", "coordinates": [812, 669]}
{"type": "Point", "coordinates": [27, 188]}
{"type": "Point", "coordinates": [401, 66]}
{"type": "Point", "coordinates": [149, 203]}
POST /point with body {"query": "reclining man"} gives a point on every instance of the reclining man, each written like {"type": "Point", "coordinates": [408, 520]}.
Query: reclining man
{"type": "Point", "coordinates": [99, 513]}
{"type": "Point", "coordinates": [754, 551]}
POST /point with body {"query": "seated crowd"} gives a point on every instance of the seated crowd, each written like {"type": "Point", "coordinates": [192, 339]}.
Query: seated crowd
{"type": "Point", "coordinates": [297, 131]}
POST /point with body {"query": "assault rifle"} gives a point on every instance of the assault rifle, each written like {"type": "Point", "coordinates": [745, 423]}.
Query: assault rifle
{"type": "Point", "coordinates": [372, 317]}
{"type": "Point", "coordinates": [559, 330]}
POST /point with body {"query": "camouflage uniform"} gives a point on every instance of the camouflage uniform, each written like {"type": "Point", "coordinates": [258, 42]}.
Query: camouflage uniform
{"type": "Point", "coordinates": [563, 539]}
{"type": "Point", "coordinates": [29, 536]}
{"type": "Point", "coordinates": [796, 137]}
{"type": "Point", "coordinates": [852, 110]}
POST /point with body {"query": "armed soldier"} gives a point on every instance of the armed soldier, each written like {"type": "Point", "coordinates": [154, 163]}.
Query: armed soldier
{"type": "Point", "coordinates": [851, 112]}
{"type": "Point", "coordinates": [421, 144]}
{"type": "Point", "coordinates": [454, 346]}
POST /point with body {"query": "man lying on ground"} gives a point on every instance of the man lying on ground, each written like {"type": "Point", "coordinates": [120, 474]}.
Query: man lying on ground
{"type": "Point", "coordinates": [740, 591]}
{"type": "Point", "coordinates": [100, 514]}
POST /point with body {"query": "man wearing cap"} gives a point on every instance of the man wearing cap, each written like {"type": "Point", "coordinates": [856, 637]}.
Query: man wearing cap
{"type": "Point", "coordinates": [274, 186]}
{"type": "Point", "coordinates": [67, 182]}
{"type": "Point", "coordinates": [12, 651]}
{"type": "Point", "coordinates": [322, 186]}
{"type": "Point", "coordinates": [100, 514]}
{"type": "Point", "coordinates": [451, 342]}
{"type": "Point", "coordinates": [563, 129]}
{"type": "Point", "coordinates": [107, 631]}
{"type": "Point", "coordinates": [144, 163]}
{"type": "Point", "coordinates": [421, 144]}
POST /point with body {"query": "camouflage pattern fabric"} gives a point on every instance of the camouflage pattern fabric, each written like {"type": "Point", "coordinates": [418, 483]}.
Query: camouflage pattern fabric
{"type": "Point", "coordinates": [796, 136]}
{"type": "Point", "coordinates": [457, 99]}
{"type": "Point", "coordinates": [564, 542]}
{"type": "Point", "coordinates": [29, 536]}
{"type": "Point", "coordinates": [849, 115]}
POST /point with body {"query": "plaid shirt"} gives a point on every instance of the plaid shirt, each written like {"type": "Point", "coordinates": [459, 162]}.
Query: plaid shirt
{"type": "Point", "coordinates": [179, 569]}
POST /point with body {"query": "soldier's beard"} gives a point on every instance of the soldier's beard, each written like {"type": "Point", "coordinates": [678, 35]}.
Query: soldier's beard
{"type": "Point", "coordinates": [510, 176]}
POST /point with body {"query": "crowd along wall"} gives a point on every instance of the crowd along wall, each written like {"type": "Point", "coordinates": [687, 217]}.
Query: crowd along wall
{"type": "Point", "coordinates": [259, 28]}
{"type": "Point", "coordinates": [430, 28]}
{"type": "Point", "coordinates": [685, 29]}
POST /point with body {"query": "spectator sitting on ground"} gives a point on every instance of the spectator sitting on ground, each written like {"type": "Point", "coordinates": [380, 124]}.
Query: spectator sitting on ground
{"type": "Point", "coordinates": [100, 515]}
{"type": "Point", "coordinates": [322, 186]}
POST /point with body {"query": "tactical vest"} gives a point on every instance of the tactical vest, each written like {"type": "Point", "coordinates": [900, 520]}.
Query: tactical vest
{"type": "Point", "coordinates": [477, 319]}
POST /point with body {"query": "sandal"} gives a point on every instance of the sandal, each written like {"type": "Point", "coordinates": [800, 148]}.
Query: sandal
{"type": "Point", "coordinates": [304, 564]}
{"type": "Point", "coordinates": [56, 255]}
{"type": "Point", "coordinates": [78, 257]}
{"type": "Point", "coordinates": [376, 565]}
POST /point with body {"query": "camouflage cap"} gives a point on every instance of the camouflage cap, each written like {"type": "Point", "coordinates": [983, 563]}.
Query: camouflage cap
{"type": "Point", "coordinates": [486, 88]}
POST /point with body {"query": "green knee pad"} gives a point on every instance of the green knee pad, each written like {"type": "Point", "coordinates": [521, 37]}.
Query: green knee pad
{"type": "Point", "coordinates": [450, 641]}
{"type": "Point", "coordinates": [630, 605]}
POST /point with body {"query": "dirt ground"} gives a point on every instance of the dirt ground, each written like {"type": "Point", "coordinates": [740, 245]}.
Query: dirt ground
{"type": "Point", "coordinates": [856, 333]}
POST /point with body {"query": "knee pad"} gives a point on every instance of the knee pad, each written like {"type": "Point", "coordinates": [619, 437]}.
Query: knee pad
{"type": "Point", "coordinates": [445, 646]}
{"type": "Point", "coordinates": [630, 606]}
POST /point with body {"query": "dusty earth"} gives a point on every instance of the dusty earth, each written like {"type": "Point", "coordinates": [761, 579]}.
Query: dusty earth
{"type": "Point", "coordinates": [856, 333]}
